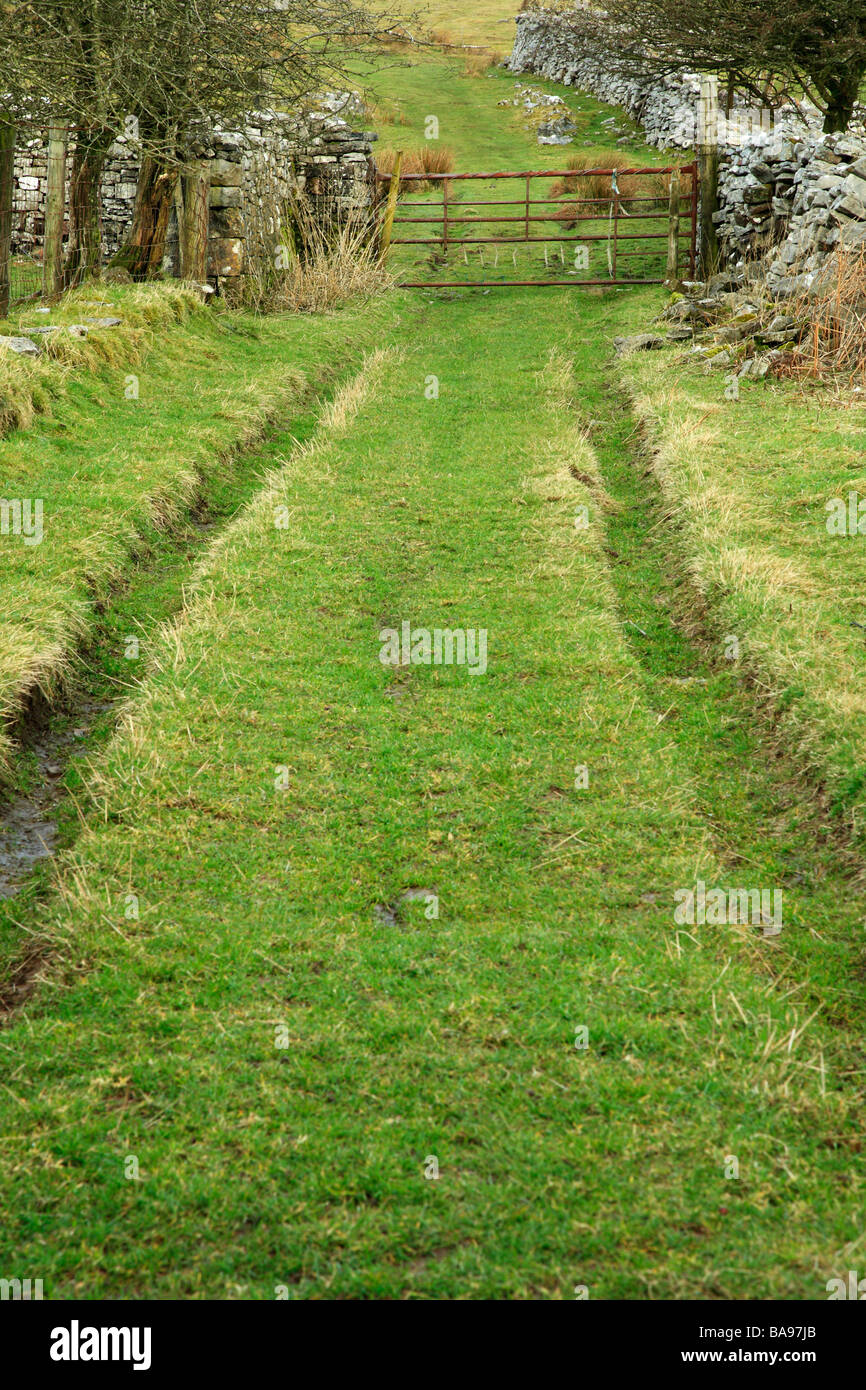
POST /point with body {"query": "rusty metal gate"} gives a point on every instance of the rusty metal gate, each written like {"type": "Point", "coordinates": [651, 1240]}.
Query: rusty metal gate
{"type": "Point", "coordinates": [606, 217]}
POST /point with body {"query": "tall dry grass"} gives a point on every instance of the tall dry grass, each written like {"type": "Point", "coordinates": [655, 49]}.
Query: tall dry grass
{"type": "Point", "coordinates": [426, 159]}
{"type": "Point", "coordinates": [834, 345]}
{"type": "Point", "coordinates": [479, 64]}
{"type": "Point", "coordinates": [650, 188]}
{"type": "Point", "coordinates": [320, 262]}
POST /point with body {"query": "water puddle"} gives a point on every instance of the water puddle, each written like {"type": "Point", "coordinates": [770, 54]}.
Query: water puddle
{"type": "Point", "coordinates": [28, 829]}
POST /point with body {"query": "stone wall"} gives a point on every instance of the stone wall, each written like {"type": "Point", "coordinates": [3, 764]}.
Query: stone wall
{"type": "Point", "coordinates": [666, 106]}
{"type": "Point", "coordinates": [253, 171]}
{"type": "Point", "coordinates": [787, 193]}
{"type": "Point", "coordinates": [794, 202]}
{"type": "Point", "coordinates": [28, 207]}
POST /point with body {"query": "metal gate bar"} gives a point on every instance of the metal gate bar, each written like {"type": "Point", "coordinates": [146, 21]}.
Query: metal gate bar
{"type": "Point", "coordinates": [614, 208]}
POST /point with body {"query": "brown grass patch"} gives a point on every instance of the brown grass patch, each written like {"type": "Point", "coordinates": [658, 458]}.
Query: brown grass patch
{"type": "Point", "coordinates": [589, 183]}
{"type": "Point", "coordinates": [322, 264]}
{"type": "Point", "coordinates": [835, 343]}
{"type": "Point", "coordinates": [426, 159]}
{"type": "Point", "coordinates": [478, 64]}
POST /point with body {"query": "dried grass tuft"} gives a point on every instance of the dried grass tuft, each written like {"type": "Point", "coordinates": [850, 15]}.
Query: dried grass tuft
{"type": "Point", "coordinates": [651, 188]}
{"type": "Point", "coordinates": [428, 159]}
{"type": "Point", "coordinates": [323, 262]}
{"type": "Point", "coordinates": [834, 345]}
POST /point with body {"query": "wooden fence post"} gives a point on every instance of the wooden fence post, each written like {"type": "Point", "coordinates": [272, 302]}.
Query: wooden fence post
{"type": "Point", "coordinates": [391, 207]}
{"type": "Point", "coordinates": [672, 275]}
{"type": "Point", "coordinates": [7, 182]}
{"type": "Point", "coordinates": [55, 209]}
{"type": "Point", "coordinates": [708, 159]}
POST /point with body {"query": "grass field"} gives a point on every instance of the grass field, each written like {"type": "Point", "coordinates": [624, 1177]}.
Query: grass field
{"type": "Point", "coordinates": [359, 980]}
{"type": "Point", "coordinates": [127, 448]}
{"type": "Point", "coordinates": [275, 961]}
{"type": "Point", "coordinates": [485, 22]}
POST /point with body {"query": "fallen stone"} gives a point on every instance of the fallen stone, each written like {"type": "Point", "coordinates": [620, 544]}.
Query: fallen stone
{"type": "Point", "coordinates": [25, 347]}
{"type": "Point", "coordinates": [734, 332]}
{"type": "Point", "coordinates": [755, 368]}
{"type": "Point", "coordinates": [717, 361]}
{"type": "Point", "coordinates": [638, 342]}
{"type": "Point", "coordinates": [726, 280]}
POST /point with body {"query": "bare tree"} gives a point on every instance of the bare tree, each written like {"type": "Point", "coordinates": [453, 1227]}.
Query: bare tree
{"type": "Point", "coordinates": [170, 64]}
{"type": "Point", "coordinates": [778, 47]}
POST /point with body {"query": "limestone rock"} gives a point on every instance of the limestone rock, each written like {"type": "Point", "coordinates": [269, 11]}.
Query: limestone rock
{"type": "Point", "coordinates": [24, 347]}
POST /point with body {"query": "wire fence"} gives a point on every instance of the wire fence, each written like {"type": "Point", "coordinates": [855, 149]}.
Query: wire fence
{"type": "Point", "coordinates": [25, 278]}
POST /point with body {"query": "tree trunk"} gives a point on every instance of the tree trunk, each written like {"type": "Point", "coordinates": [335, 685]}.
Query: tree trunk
{"type": "Point", "coordinates": [7, 163]}
{"type": "Point", "coordinates": [193, 229]}
{"type": "Point", "coordinates": [843, 90]}
{"type": "Point", "coordinates": [83, 250]}
{"type": "Point", "coordinates": [142, 252]}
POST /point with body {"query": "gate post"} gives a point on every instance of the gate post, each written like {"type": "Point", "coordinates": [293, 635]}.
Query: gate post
{"type": "Point", "coordinates": [7, 180]}
{"type": "Point", "coordinates": [672, 275]}
{"type": "Point", "coordinates": [391, 207]}
{"type": "Point", "coordinates": [55, 207]}
{"type": "Point", "coordinates": [708, 158]}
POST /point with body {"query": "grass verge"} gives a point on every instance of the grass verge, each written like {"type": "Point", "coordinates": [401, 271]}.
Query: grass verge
{"type": "Point", "coordinates": [28, 385]}
{"type": "Point", "coordinates": [751, 482]}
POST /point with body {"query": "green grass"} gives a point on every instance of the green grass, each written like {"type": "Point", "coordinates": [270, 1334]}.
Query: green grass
{"type": "Point", "coordinates": [110, 465]}
{"type": "Point", "coordinates": [488, 22]}
{"type": "Point", "coordinates": [454, 1038]}
{"type": "Point", "coordinates": [249, 839]}
{"type": "Point", "coordinates": [749, 481]}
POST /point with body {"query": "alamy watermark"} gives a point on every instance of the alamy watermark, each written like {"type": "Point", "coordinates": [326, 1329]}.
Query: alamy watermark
{"type": "Point", "coordinates": [846, 520]}
{"type": "Point", "coordinates": [421, 646]}
{"type": "Point", "coordinates": [20, 1290]}
{"type": "Point", "coordinates": [77, 1343]}
{"type": "Point", "coordinates": [22, 516]}
{"type": "Point", "coordinates": [718, 907]}
{"type": "Point", "coordinates": [853, 1288]}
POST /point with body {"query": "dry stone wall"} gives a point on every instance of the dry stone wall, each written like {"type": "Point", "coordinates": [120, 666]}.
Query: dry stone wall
{"type": "Point", "coordinates": [787, 192]}
{"type": "Point", "coordinates": [253, 171]}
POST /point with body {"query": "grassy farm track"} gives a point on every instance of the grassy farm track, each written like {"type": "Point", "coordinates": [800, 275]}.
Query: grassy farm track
{"type": "Point", "coordinates": [362, 979]}
{"type": "Point", "coordinates": [284, 810]}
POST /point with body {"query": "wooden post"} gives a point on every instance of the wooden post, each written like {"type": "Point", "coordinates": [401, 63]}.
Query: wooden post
{"type": "Point", "coordinates": [55, 210]}
{"type": "Point", "coordinates": [391, 206]}
{"type": "Point", "coordinates": [708, 159]}
{"type": "Point", "coordinates": [7, 183]}
{"type": "Point", "coordinates": [672, 275]}
{"type": "Point", "coordinates": [445, 183]}
{"type": "Point", "coordinates": [193, 228]}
